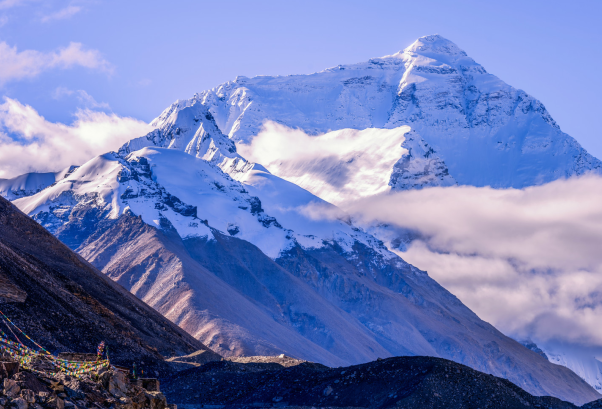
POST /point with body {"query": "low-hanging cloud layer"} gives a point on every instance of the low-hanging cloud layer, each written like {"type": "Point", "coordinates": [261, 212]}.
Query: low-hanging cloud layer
{"type": "Point", "coordinates": [528, 261]}
{"type": "Point", "coordinates": [30, 143]}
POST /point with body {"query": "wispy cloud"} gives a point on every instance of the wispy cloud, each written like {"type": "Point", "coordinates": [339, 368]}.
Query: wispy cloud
{"type": "Point", "coordinates": [8, 4]}
{"type": "Point", "coordinates": [15, 65]}
{"type": "Point", "coordinates": [62, 14]}
{"type": "Point", "coordinates": [28, 142]}
{"type": "Point", "coordinates": [82, 96]}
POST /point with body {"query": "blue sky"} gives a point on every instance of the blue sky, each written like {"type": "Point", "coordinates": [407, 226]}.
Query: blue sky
{"type": "Point", "coordinates": [133, 58]}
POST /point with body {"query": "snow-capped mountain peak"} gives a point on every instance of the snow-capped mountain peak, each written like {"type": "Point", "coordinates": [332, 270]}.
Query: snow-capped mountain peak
{"type": "Point", "coordinates": [434, 46]}
{"type": "Point", "coordinates": [31, 183]}
{"type": "Point", "coordinates": [484, 131]}
{"type": "Point", "coordinates": [189, 126]}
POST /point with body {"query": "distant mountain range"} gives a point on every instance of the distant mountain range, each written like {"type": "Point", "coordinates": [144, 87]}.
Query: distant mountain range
{"type": "Point", "coordinates": [236, 255]}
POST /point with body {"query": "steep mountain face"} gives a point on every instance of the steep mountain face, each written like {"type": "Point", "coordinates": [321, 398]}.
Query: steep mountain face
{"type": "Point", "coordinates": [447, 120]}
{"type": "Point", "coordinates": [245, 267]}
{"type": "Point", "coordinates": [484, 131]}
{"type": "Point", "coordinates": [67, 305]}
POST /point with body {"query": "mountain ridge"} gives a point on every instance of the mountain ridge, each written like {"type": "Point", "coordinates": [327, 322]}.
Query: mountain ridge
{"type": "Point", "coordinates": [484, 131]}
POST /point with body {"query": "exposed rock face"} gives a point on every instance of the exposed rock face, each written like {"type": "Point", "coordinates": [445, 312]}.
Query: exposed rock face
{"type": "Point", "coordinates": [71, 306]}
{"type": "Point", "coordinates": [420, 167]}
{"type": "Point", "coordinates": [405, 382]}
{"type": "Point", "coordinates": [210, 283]}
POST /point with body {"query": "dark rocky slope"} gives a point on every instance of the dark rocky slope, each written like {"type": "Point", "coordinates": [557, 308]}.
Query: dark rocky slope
{"type": "Point", "coordinates": [403, 382]}
{"type": "Point", "coordinates": [70, 306]}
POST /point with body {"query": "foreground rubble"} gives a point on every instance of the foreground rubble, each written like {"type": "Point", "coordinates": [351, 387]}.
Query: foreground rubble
{"type": "Point", "coordinates": [108, 388]}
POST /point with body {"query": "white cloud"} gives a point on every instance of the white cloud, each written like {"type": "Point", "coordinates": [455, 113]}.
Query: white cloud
{"type": "Point", "coordinates": [15, 65]}
{"type": "Point", "coordinates": [31, 143]}
{"type": "Point", "coordinates": [528, 261]}
{"type": "Point", "coordinates": [62, 14]}
{"type": "Point", "coordinates": [336, 166]}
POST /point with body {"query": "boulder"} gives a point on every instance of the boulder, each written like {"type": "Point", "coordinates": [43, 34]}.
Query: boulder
{"type": "Point", "coordinates": [118, 384]}
{"type": "Point", "coordinates": [20, 403]}
{"type": "Point", "coordinates": [28, 395]}
{"type": "Point", "coordinates": [27, 380]}
{"type": "Point", "coordinates": [43, 397]}
{"type": "Point", "coordinates": [156, 400]}
{"type": "Point", "coordinates": [11, 388]}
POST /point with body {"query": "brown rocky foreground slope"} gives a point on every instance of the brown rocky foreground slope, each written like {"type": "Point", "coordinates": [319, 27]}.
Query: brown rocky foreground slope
{"type": "Point", "coordinates": [65, 304]}
{"type": "Point", "coordinates": [108, 388]}
{"type": "Point", "coordinates": [403, 382]}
